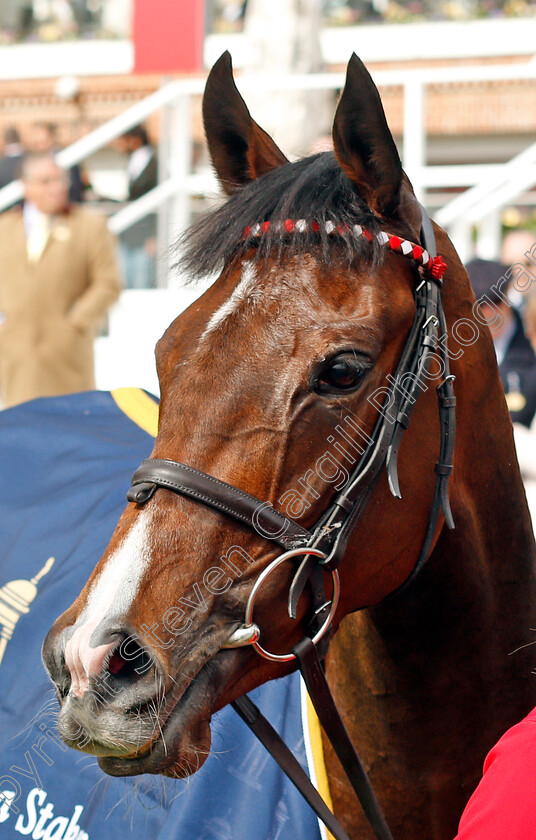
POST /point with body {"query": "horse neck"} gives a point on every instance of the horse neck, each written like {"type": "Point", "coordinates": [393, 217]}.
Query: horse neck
{"type": "Point", "coordinates": [475, 600]}
{"type": "Point", "coordinates": [430, 678]}
{"type": "Point", "coordinates": [482, 574]}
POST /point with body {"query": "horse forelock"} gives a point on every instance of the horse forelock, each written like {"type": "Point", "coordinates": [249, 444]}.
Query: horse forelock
{"type": "Point", "coordinates": [314, 188]}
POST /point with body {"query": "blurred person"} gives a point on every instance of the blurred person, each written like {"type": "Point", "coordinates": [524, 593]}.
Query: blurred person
{"type": "Point", "coordinates": [138, 242]}
{"type": "Point", "coordinates": [11, 159]}
{"type": "Point", "coordinates": [502, 806]}
{"type": "Point", "coordinates": [59, 277]}
{"type": "Point", "coordinates": [116, 17]}
{"type": "Point", "coordinates": [44, 138]}
{"type": "Point", "coordinates": [57, 13]}
{"type": "Point", "coordinates": [515, 356]}
{"type": "Point", "coordinates": [519, 248]}
{"type": "Point", "coordinates": [84, 13]}
{"type": "Point", "coordinates": [525, 439]}
{"type": "Point", "coordinates": [530, 327]}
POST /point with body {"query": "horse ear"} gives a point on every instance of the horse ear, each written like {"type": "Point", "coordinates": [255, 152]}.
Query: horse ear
{"type": "Point", "coordinates": [363, 143]}
{"type": "Point", "coordinates": [240, 150]}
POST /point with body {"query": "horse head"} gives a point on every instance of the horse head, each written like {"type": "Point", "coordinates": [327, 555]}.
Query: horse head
{"type": "Point", "coordinates": [274, 383]}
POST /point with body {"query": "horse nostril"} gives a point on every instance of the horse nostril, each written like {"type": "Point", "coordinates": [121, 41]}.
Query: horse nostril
{"type": "Point", "coordinates": [54, 662]}
{"type": "Point", "coordinates": [129, 661]}
{"type": "Point", "coordinates": [91, 653]}
{"type": "Point", "coordinates": [60, 676]}
{"type": "Point", "coordinates": [116, 663]}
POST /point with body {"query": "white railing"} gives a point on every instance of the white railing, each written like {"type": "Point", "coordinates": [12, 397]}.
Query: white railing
{"type": "Point", "coordinates": [486, 188]}
{"type": "Point", "coordinates": [493, 190]}
{"type": "Point", "coordinates": [489, 185]}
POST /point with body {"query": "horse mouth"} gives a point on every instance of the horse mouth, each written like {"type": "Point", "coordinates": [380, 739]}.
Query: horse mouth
{"type": "Point", "coordinates": [182, 740]}
{"type": "Point", "coordinates": [179, 739]}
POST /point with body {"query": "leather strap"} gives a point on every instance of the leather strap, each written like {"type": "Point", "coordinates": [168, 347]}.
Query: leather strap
{"type": "Point", "coordinates": [315, 680]}
{"type": "Point", "coordinates": [272, 741]}
{"type": "Point", "coordinates": [443, 468]}
{"type": "Point", "coordinates": [180, 478]}
{"type": "Point", "coordinates": [333, 532]}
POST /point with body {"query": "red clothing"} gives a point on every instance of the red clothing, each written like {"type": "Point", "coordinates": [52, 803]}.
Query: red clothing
{"type": "Point", "coordinates": [503, 807]}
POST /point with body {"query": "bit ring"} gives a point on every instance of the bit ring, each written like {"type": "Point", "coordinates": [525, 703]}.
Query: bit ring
{"type": "Point", "coordinates": [294, 552]}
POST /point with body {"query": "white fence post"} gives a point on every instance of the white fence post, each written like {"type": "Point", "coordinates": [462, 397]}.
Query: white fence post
{"type": "Point", "coordinates": [414, 141]}
{"type": "Point", "coordinates": [180, 165]}
{"type": "Point", "coordinates": [460, 233]}
{"type": "Point", "coordinates": [488, 240]}
{"type": "Point", "coordinates": [162, 226]}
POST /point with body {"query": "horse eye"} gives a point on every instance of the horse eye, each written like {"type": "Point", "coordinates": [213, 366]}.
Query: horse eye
{"type": "Point", "coordinates": [340, 374]}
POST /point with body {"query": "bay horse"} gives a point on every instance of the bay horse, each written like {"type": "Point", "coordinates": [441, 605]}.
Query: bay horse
{"type": "Point", "coordinates": [270, 383]}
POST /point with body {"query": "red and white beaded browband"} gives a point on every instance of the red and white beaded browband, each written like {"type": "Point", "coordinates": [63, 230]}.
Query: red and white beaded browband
{"type": "Point", "coordinates": [436, 266]}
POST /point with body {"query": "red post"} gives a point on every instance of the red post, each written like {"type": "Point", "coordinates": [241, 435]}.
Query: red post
{"type": "Point", "coordinates": [168, 36]}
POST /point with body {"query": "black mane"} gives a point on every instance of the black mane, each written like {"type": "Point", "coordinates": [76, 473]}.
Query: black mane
{"type": "Point", "coordinates": [314, 188]}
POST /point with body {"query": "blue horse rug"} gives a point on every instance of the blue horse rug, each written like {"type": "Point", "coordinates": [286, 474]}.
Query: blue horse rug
{"type": "Point", "coordinates": [65, 465]}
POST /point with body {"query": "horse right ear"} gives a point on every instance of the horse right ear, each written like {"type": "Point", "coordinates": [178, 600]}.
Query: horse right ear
{"type": "Point", "coordinates": [240, 150]}
{"type": "Point", "coordinates": [363, 143]}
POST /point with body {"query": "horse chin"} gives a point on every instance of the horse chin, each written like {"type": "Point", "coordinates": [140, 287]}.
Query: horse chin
{"type": "Point", "coordinates": [183, 741]}
{"type": "Point", "coordinates": [178, 754]}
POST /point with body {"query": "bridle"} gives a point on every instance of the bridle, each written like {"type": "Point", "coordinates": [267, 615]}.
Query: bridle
{"type": "Point", "coordinates": [323, 547]}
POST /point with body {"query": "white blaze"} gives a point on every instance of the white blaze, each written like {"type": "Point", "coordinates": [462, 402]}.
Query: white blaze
{"type": "Point", "coordinates": [111, 596]}
{"type": "Point", "coordinates": [242, 291]}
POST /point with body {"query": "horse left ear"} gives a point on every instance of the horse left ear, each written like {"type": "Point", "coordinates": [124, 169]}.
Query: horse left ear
{"type": "Point", "coordinates": [240, 150]}
{"type": "Point", "coordinates": [364, 145]}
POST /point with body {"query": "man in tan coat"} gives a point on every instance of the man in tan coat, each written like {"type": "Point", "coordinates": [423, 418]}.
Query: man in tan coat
{"type": "Point", "coordinates": [58, 276]}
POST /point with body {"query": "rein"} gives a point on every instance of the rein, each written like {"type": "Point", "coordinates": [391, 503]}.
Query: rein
{"type": "Point", "coordinates": [323, 547]}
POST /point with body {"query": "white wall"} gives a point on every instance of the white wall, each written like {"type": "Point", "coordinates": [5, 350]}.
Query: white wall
{"type": "Point", "coordinates": [126, 357]}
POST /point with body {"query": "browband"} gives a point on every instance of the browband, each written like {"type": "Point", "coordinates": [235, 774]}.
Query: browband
{"type": "Point", "coordinates": [157, 472]}
{"type": "Point", "coordinates": [428, 261]}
